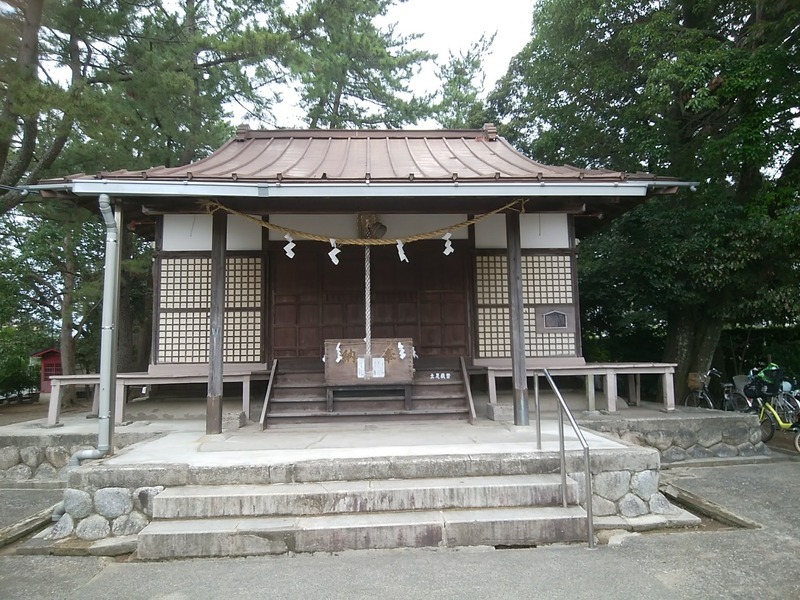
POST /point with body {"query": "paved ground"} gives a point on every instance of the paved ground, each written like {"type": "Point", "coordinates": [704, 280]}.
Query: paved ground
{"type": "Point", "coordinates": [718, 563]}
{"type": "Point", "coordinates": [713, 563]}
{"type": "Point", "coordinates": [18, 412]}
{"type": "Point", "coordinates": [17, 504]}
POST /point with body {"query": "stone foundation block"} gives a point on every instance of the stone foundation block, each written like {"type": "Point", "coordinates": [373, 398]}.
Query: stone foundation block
{"type": "Point", "coordinates": [231, 421]}
{"type": "Point", "coordinates": [500, 412]}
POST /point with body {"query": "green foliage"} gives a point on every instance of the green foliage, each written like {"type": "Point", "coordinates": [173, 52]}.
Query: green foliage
{"type": "Point", "coordinates": [113, 85]}
{"type": "Point", "coordinates": [52, 258]}
{"type": "Point", "coordinates": [17, 373]}
{"type": "Point", "coordinates": [704, 91]}
{"type": "Point", "coordinates": [460, 105]}
{"type": "Point", "coordinates": [39, 248]}
{"type": "Point", "coordinates": [744, 348]}
{"type": "Point", "coordinates": [355, 73]}
{"type": "Point", "coordinates": [90, 85]}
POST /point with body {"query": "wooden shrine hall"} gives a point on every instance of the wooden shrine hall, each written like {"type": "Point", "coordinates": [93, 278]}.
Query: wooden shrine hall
{"type": "Point", "coordinates": [363, 273]}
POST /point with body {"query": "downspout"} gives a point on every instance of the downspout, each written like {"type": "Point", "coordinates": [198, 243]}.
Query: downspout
{"type": "Point", "coordinates": [108, 348]}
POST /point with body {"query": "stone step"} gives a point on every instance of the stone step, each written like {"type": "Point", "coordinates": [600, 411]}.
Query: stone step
{"type": "Point", "coordinates": [361, 496]}
{"type": "Point", "coordinates": [249, 536]}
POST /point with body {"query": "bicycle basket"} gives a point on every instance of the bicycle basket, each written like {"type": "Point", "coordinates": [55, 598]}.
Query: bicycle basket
{"type": "Point", "coordinates": [755, 389]}
{"type": "Point", "coordinates": [696, 381]}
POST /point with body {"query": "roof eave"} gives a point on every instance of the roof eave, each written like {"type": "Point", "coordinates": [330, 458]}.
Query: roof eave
{"type": "Point", "coordinates": [114, 187]}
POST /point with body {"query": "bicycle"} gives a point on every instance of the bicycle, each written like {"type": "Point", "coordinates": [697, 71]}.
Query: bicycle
{"type": "Point", "coordinates": [779, 411]}
{"type": "Point", "coordinates": [732, 400]}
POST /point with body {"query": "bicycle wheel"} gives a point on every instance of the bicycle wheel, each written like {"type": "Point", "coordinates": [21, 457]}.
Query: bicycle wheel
{"type": "Point", "coordinates": [797, 442]}
{"type": "Point", "coordinates": [767, 427]}
{"type": "Point", "coordinates": [692, 399]}
{"type": "Point", "coordinates": [784, 406]}
{"type": "Point", "coordinates": [792, 406]}
{"type": "Point", "coordinates": [737, 402]}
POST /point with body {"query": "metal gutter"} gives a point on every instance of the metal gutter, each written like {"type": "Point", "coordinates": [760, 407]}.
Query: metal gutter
{"type": "Point", "coordinates": [94, 187]}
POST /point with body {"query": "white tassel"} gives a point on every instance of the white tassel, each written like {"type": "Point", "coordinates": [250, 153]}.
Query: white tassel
{"type": "Point", "coordinates": [400, 252]}
{"type": "Point", "coordinates": [448, 245]}
{"type": "Point", "coordinates": [333, 254]}
{"type": "Point", "coordinates": [288, 248]}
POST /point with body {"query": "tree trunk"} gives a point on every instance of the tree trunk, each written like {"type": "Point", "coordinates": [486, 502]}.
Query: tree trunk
{"type": "Point", "coordinates": [691, 343]}
{"type": "Point", "coordinates": [133, 322]}
{"type": "Point", "coordinates": [27, 65]}
{"type": "Point", "coordinates": [678, 349]}
{"type": "Point", "coordinates": [707, 336]}
{"type": "Point", "coordinates": [67, 341]}
{"type": "Point", "coordinates": [190, 147]}
{"type": "Point", "coordinates": [125, 316]}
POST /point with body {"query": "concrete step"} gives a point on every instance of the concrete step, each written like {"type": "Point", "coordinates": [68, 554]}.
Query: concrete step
{"type": "Point", "coordinates": [249, 536]}
{"type": "Point", "coordinates": [361, 496]}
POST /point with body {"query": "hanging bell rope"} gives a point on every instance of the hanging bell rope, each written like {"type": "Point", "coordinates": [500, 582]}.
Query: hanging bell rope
{"type": "Point", "coordinates": [212, 206]}
{"type": "Point", "coordinates": [367, 314]}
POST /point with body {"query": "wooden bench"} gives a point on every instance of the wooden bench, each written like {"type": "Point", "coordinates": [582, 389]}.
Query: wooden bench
{"type": "Point", "coordinates": [608, 371]}
{"type": "Point", "coordinates": [125, 380]}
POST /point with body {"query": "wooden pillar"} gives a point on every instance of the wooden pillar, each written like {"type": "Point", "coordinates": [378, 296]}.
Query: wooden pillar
{"type": "Point", "coordinates": [219, 233]}
{"type": "Point", "coordinates": [517, 320]}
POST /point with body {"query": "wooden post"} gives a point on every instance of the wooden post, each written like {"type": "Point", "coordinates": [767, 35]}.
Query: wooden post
{"type": "Point", "coordinates": [516, 310]}
{"type": "Point", "coordinates": [219, 233]}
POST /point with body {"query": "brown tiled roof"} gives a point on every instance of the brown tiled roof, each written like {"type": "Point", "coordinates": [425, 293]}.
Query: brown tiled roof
{"type": "Point", "coordinates": [316, 156]}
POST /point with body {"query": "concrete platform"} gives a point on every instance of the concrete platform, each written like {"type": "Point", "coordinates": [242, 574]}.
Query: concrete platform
{"type": "Point", "coordinates": [413, 483]}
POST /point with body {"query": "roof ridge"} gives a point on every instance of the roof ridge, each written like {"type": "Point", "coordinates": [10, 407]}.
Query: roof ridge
{"type": "Point", "coordinates": [243, 133]}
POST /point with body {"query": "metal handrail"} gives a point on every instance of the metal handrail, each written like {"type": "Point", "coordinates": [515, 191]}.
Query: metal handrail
{"type": "Point", "coordinates": [263, 420]}
{"type": "Point", "coordinates": [468, 389]}
{"type": "Point", "coordinates": [564, 409]}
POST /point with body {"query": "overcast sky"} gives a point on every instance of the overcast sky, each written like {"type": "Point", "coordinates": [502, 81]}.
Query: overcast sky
{"type": "Point", "coordinates": [450, 25]}
{"type": "Point", "coordinates": [453, 25]}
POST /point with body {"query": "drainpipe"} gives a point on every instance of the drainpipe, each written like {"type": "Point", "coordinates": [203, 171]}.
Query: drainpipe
{"type": "Point", "coordinates": [108, 339]}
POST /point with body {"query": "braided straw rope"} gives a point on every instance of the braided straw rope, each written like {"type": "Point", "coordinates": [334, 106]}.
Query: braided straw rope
{"type": "Point", "coordinates": [212, 206]}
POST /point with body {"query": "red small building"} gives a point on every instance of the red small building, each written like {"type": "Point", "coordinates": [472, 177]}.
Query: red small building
{"type": "Point", "coordinates": [51, 367]}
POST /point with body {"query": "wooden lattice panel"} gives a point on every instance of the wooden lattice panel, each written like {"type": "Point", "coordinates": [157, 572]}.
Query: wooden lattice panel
{"type": "Point", "coordinates": [494, 339]}
{"type": "Point", "coordinates": [242, 337]}
{"type": "Point", "coordinates": [184, 304]}
{"type": "Point", "coordinates": [183, 337]}
{"type": "Point", "coordinates": [185, 283]}
{"type": "Point", "coordinates": [243, 282]}
{"type": "Point", "coordinates": [492, 279]}
{"type": "Point", "coordinates": [552, 344]}
{"type": "Point", "coordinates": [494, 336]}
{"type": "Point", "coordinates": [547, 279]}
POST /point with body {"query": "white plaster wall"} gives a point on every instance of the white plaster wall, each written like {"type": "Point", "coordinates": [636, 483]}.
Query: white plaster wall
{"type": "Point", "coordinates": [537, 230]}
{"type": "Point", "coordinates": [336, 226]}
{"type": "Point", "coordinates": [346, 226]}
{"type": "Point", "coordinates": [399, 226]}
{"type": "Point", "coordinates": [193, 232]}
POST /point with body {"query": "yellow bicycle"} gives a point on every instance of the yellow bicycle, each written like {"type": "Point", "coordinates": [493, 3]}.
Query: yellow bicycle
{"type": "Point", "coordinates": [780, 411]}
